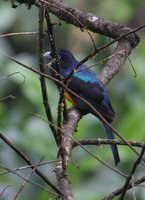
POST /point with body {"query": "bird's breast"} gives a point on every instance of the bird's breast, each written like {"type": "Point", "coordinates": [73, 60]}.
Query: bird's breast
{"type": "Point", "coordinates": [68, 97]}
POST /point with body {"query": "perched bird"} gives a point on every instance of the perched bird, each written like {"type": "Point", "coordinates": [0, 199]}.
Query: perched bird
{"type": "Point", "coordinates": [87, 85]}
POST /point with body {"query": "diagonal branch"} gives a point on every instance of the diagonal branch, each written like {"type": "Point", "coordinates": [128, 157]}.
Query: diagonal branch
{"type": "Point", "coordinates": [24, 157]}
{"type": "Point", "coordinates": [127, 183]}
{"type": "Point", "coordinates": [25, 182]}
{"type": "Point", "coordinates": [117, 192]}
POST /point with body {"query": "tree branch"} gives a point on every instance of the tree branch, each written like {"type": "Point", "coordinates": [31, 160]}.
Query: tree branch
{"type": "Point", "coordinates": [126, 185]}
{"type": "Point", "coordinates": [66, 145]}
{"type": "Point", "coordinates": [42, 78]}
{"type": "Point", "coordinates": [24, 157]}
{"type": "Point", "coordinates": [90, 21]}
{"type": "Point", "coordinates": [117, 192]}
{"type": "Point", "coordinates": [101, 141]}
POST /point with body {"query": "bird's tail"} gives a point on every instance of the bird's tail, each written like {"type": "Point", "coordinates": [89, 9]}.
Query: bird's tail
{"type": "Point", "coordinates": [114, 148]}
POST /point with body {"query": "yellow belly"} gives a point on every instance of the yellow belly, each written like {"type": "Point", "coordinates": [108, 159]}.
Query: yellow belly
{"type": "Point", "coordinates": [67, 96]}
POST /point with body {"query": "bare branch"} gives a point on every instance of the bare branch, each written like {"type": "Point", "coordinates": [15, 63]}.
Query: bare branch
{"type": "Point", "coordinates": [25, 182]}
{"type": "Point", "coordinates": [128, 185]}
{"type": "Point", "coordinates": [2, 192]}
{"type": "Point", "coordinates": [24, 157]}
{"type": "Point", "coordinates": [28, 166]}
{"type": "Point", "coordinates": [117, 192]}
{"type": "Point", "coordinates": [7, 97]}
{"type": "Point", "coordinates": [101, 141]}
{"type": "Point", "coordinates": [18, 34]}
{"type": "Point", "coordinates": [137, 162]}
{"type": "Point", "coordinates": [42, 78]}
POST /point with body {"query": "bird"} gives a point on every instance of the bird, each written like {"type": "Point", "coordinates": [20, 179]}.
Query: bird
{"type": "Point", "coordinates": [85, 83]}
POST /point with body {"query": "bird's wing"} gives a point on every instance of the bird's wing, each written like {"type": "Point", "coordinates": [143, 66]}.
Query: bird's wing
{"type": "Point", "coordinates": [88, 90]}
{"type": "Point", "coordinates": [95, 94]}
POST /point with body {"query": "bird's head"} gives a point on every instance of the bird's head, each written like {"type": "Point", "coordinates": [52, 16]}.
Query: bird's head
{"type": "Point", "coordinates": [66, 58]}
{"type": "Point", "coordinates": [63, 54]}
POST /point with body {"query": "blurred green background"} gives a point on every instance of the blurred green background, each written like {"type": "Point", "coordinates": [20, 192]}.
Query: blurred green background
{"type": "Point", "coordinates": [32, 134]}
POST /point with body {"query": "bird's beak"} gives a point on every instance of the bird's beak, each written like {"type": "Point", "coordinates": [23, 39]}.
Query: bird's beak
{"type": "Point", "coordinates": [47, 55]}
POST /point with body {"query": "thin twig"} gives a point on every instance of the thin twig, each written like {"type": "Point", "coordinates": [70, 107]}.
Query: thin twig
{"type": "Point", "coordinates": [28, 181]}
{"type": "Point", "coordinates": [2, 192]}
{"type": "Point", "coordinates": [25, 182]}
{"type": "Point", "coordinates": [24, 157]}
{"type": "Point", "coordinates": [12, 74]}
{"type": "Point", "coordinates": [7, 97]}
{"type": "Point", "coordinates": [28, 166]}
{"type": "Point", "coordinates": [135, 74]}
{"type": "Point", "coordinates": [18, 34]}
{"type": "Point", "coordinates": [137, 162]}
{"type": "Point", "coordinates": [117, 192]}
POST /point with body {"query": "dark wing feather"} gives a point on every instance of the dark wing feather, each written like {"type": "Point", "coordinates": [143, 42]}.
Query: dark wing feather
{"type": "Point", "coordinates": [95, 94]}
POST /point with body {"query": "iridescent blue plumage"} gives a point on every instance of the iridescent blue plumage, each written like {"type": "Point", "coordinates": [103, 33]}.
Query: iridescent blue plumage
{"type": "Point", "coordinates": [87, 85]}
{"type": "Point", "coordinates": [83, 73]}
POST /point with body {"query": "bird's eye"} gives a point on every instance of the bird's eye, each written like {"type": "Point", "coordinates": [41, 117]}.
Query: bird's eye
{"type": "Point", "coordinates": [59, 57]}
{"type": "Point", "coordinates": [51, 54]}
